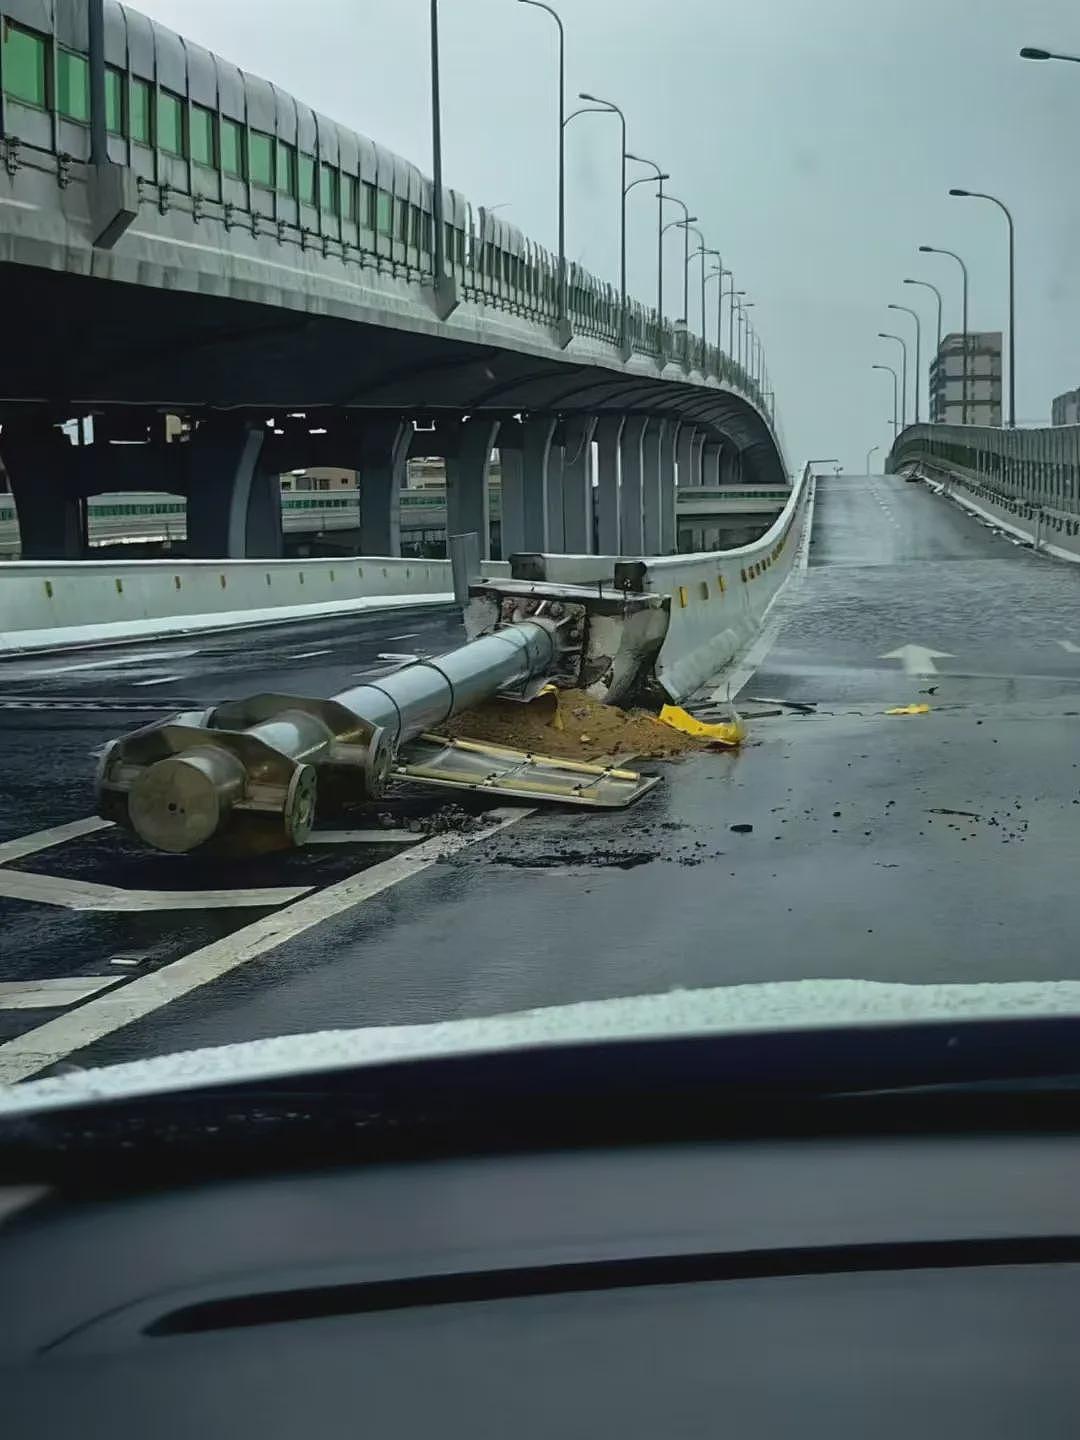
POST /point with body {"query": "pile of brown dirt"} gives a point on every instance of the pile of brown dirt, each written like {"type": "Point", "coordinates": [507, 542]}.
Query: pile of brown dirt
{"type": "Point", "coordinates": [569, 724]}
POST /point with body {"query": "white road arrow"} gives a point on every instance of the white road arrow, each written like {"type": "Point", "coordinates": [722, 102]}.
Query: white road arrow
{"type": "Point", "coordinates": [917, 659]}
{"type": "Point", "coordinates": [1069, 647]}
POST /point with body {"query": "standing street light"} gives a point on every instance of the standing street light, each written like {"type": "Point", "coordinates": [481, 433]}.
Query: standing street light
{"type": "Point", "coordinates": [926, 285]}
{"type": "Point", "coordinates": [733, 295]}
{"type": "Point", "coordinates": [563, 317]}
{"type": "Point", "coordinates": [683, 224]}
{"type": "Point", "coordinates": [936, 250]}
{"type": "Point", "coordinates": [660, 177]}
{"type": "Point", "coordinates": [918, 351]}
{"type": "Point", "coordinates": [445, 290]}
{"type": "Point", "coordinates": [717, 273]}
{"type": "Point", "coordinates": [693, 256]}
{"type": "Point", "coordinates": [895, 397]}
{"type": "Point", "coordinates": [1029, 52]}
{"type": "Point", "coordinates": [981, 195]}
{"type": "Point", "coordinates": [610, 105]}
{"type": "Point", "coordinates": [870, 452]}
{"type": "Point", "coordinates": [744, 327]}
{"type": "Point", "coordinates": [887, 335]}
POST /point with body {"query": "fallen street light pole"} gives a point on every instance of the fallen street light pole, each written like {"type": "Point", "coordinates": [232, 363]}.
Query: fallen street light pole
{"type": "Point", "coordinates": [245, 776]}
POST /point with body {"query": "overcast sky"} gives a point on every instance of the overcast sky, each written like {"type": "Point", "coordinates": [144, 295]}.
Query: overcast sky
{"type": "Point", "coordinates": [815, 139]}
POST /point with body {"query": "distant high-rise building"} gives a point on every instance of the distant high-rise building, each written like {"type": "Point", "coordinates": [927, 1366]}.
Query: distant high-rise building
{"type": "Point", "coordinates": [1065, 409]}
{"type": "Point", "coordinates": [983, 402]}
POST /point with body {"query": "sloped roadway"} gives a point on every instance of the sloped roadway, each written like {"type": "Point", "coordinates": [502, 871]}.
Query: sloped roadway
{"type": "Point", "coordinates": [925, 847]}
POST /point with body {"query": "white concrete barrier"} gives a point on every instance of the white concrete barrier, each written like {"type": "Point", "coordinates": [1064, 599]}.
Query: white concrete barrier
{"type": "Point", "coordinates": [50, 604]}
{"type": "Point", "coordinates": [719, 600]}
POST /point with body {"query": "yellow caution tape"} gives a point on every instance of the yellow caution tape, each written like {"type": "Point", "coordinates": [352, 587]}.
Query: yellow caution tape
{"type": "Point", "coordinates": [724, 734]}
{"type": "Point", "coordinates": [910, 710]}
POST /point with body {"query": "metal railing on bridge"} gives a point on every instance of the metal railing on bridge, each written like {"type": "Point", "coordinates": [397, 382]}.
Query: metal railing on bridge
{"type": "Point", "coordinates": [1031, 467]}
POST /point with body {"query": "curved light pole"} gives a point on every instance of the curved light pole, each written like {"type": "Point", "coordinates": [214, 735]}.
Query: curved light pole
{"type": "Point", "coordinates": [744, 326]}
{"type": "Point", "coordinates": [895, 397]}
{"type": "Point", "coordinates": [918, 351]}
{"type": "Point", "coordinates": [732, 295]}
{"type": "Point", "coordinates": [981, 195]}
{"type": "Point", "coordinates": [926, 285]}
{"type": "Point", "coordinates": [445, 290]}
{"type": "Point", "coordinates": [870, 452]}
{"type": "Point", "coordinates": [1029, 52]}
{"type": "Point", "coordinates": [563, 318]}
{"type": "Point", "coordinates": [718, 273]}
{"type": "Point", "coordinates": [683, 224]}
{"type": "Point", "coordinates": [887, 335]}
{"type": "Point", "coordinates": [660, 177]}
{"type": "Point", "coordinates": [614, 109]}
{"type": "Point", "coordinates": [936, 250]}
{"type": "Point", "coordinates": [693, 256]}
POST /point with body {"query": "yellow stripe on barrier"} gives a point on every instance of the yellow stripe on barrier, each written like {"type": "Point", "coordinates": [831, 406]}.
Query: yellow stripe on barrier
{"type": "Point", "coordinates": [684, 598]}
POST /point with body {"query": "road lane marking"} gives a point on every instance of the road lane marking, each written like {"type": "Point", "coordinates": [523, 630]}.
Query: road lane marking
{"type": "Point", "coordinates": [308, 654]}
{"type": "Point", "coordinates": [46, 1044]}
{"type": "Point", "coordinates": [145, 657]}
{"type": "Point", "coordinates": [89, 895]}
{"type": "Point", "coordinates": [55, 835]}
{"type": "Point", "coordinates": [1069, 647]}
{"type": "Point", "coordinates": [160, 680]}
{"type": "Point", "coordinates": [52, 994]}
{"type": "Point", "coordinates": [917, 659]}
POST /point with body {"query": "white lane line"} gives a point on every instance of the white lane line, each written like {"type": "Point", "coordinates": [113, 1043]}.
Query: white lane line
{"type": "Point", "coordinates": [55, 835]}
{"type": "Point", "coordinates": [308, 654]}
{"type": "Point", "coordinates": [144, 657]}
{"type": "Point", "coordinates": [52, 994]}
{"type": "Point", "coordinates": [43, 1046]}
{"type": "Point", "coordinates": [88, 895]}
{"type": "Point", "coordinates": [364, 837]}
{"type": "Point", "coordinates": [1069, 647]}
{"type": "Point", "coordinates": [159, 680]}
{"type": "Point", "coordinates": [412, 635]}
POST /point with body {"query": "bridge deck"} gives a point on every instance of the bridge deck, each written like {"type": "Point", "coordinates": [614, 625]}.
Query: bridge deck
{"type": "Point", "coordinates": [910, 848]}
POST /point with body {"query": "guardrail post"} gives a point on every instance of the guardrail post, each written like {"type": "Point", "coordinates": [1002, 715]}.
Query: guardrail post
{"type": "Point", "coordinates": [608, 499]}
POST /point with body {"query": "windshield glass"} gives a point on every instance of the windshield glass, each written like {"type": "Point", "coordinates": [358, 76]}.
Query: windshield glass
{"type": "Point", "coordinates": [508, 506]}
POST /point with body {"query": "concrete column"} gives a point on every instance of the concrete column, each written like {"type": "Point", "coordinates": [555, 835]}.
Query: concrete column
{"type": "Point", "coordinates": [685, 456]}
{"type": "Point", "coordinates": [538, 434]}
{"type": "Point", "coordinates": [609, 431]}
{"type": "Point", "coordinates": [729, 466]}
{"type": "Point", "coordinates": [710, 463]}
{"type": "Point", "coordinates": [231, 505]}
{"type": "Point", "coordinates": [555, 539]}
{"type": "Point", "coordinates": [512, 524]}
{"type": "Point", "coordinates": [632, 465]}
{"type": "Point", "coordinates": [668, 492]}
{"type": "Point", "coordinates": [468, 505]}
{"type": "Point", "coordinates": [652, 448]}
{"type": "Point", "coordinates": [384, 458]}
{"type": "Point", "coordinates": [577, 486]}
{"type": "Point", "coordinates": [41, 466]}
{"type": "Point", "coordinates": [696, 450]}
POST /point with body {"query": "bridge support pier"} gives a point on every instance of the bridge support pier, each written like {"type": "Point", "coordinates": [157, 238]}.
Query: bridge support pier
{"type": "Point", "coordinates": [697, 451]}
{"type": "Point", "coordinates": [384, 457]}
{"type": "Point", "coordinates": [710, 463]}
{"type": "Point", "coordinates": [538, 434]}
{"type": "Point", "coordinates": [730, 466]}
{"type": "Point", "coordinates": [668, 453]}
{"type": "Point", "coordinates": [687, 438]}
{"type": "Point", "coordinates": [577, 496]}
{"type": "Point", "coordinates": [657, 439]}
{"type": "Point", "coordinates": [512, 522]}
{"type": "Point", "coordinates": [42, 465]}
{"type": "Point", "coordinates": [233, 508]}
{"type": "Point", "coordinates": [468, 506]}
{"type": "Point", "coordinates": [632, 469]}
{"type": "Point", "coordinates": [609, 431]}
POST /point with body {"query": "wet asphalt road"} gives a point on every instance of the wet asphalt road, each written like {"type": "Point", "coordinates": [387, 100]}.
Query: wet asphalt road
{"type": "Point", "coordinates": [920, 848]}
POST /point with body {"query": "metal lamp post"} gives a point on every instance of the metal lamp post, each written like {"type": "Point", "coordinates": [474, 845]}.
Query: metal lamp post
{"type": "Point", "coordinates": [887, 335]}
{"type": "Point", "coordinates": [660, 176]}
{"type": "Point", "coordinates": [918, 352]}
{"type": "Point", "coordinates": [1029, 52]}
{"type": "Point", "coordinates": [683, 224]}
{"type": "Point", "coordinates": [717, 274]}
{"type": "Point", "coordinates": [981, 195]}
{"type": "Point", "coordinates": [936, 250]}
{"type": "Point", "coordinates": [702, 251]}
{"type": "Point", "coordinates": [615, 110]}
{"type": "Point", "coordinates": [926, 285]}
{"type": "Point", "coordinates": [445, 290]}
{"type": "Point", "coordinates": [744, 327]}
{"type": "Point", "coordinates": [563, 322]}
{"type": "Point", "coordinates": [869, 453]}
{"type": "Point", "coordinates": [895, 397]}
{"type": "Point", "coordinates": [733, 296]}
